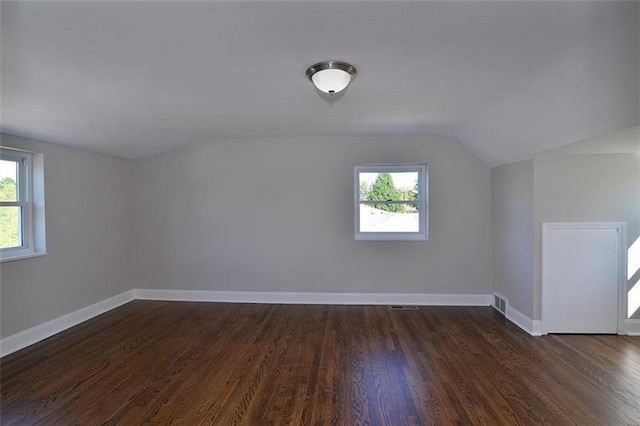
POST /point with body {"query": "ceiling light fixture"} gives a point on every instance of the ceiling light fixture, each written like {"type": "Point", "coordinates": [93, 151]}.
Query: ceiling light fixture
{"type": "Point", "coordinates": [331, 76]}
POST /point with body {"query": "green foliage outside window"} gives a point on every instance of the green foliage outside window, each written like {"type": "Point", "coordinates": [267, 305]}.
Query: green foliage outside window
{"type": "Point", "coordinates": [9, 216]}
{"type": "Point", "coordinates": [383, 189]}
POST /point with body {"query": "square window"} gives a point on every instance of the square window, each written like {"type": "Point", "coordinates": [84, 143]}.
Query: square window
{"type": "Point", "coordinates": [391, 202]}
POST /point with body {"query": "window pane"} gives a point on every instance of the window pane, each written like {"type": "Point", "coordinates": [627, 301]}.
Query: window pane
{"type": "Point", "coordinates": [10, 232]}
{"type": "Point", "coordinates": [8, 180]}
{"type": "Point", "coordinates": [397, 186]}
{"type": "Point", "coordinates": [377, 218]}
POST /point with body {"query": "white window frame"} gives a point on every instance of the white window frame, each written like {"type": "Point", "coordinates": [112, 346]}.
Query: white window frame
{"type": "Point", "coordinates": [25, 200]}
{"type": "Point", "coordinates": [422, 201]}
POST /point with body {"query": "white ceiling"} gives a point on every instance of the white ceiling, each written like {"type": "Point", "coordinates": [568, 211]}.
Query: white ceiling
{"type": "Point", "coordinates": [508, 79]}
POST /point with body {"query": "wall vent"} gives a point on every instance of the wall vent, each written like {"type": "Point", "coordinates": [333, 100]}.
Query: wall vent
{"type": "Point", "coordinates": [403, 307]}
{"type": "Point", "coordinates": [500, 303]}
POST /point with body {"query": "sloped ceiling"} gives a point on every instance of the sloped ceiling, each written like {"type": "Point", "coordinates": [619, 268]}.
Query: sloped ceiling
{"type": "Point", "coordinates": [508, 79]}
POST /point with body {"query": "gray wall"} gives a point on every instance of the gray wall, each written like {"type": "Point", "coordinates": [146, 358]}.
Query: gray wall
{"type": "Point", "coordinates": [277, 215]}
{"type": "Point", "coordinates": [586, 188]}
{"type": "Point", "coordinates": [88, 212]}
{"type": "Point", "coordinates": [512, 229]}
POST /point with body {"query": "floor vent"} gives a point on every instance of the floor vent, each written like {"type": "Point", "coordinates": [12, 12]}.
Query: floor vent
{"type": "Point", "coordinates": [500, 303]}
{"type": "Point", "coordinates": [403, 307]}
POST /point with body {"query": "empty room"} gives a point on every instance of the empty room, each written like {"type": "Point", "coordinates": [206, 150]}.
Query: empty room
{"type": "Point", "coordinates": [319, 212]}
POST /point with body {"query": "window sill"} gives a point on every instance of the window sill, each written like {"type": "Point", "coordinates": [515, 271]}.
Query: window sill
{"type": "Point", "coordinates": [389, 236]}
{"type": "Point", "coordinates": [18, 256]}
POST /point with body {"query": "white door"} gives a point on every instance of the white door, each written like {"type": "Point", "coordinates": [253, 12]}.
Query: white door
{"type": "Point", "coordinates": [580, 279]}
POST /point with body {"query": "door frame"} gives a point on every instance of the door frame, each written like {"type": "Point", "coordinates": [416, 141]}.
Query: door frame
{"type": "Point", "coordinates": [622, 267]}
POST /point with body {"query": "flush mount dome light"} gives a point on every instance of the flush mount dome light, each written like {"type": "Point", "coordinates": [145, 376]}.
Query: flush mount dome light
{"type": "Point", "coordinates": [331, 76]}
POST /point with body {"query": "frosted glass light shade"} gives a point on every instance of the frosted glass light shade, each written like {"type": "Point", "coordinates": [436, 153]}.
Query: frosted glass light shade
{"type": "Point", "coordinates": [331, 81]}
{"type": "Point", "coordinates": [331, 76]}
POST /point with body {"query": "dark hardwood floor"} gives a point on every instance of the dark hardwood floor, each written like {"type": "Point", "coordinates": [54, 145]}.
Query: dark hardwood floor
{"type": "Point", "coordinates": [209, 363]}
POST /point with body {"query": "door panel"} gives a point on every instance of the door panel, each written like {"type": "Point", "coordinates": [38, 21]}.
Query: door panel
{"type": "Point", "coordinates": [581, 280]}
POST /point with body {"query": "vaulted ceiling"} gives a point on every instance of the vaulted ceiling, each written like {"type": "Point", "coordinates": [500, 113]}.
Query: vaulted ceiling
{"type": "Point", "coordinates": [508, 79]}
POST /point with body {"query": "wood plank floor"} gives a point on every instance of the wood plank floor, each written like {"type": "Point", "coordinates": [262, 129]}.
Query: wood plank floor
{"type": "Point", "coordinates": [209, 363]}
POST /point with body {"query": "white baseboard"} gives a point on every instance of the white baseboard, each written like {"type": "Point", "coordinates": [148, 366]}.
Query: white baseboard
{"type": "Point", "coordinates": [632, 327]}
{"type": "Point", "coordinates": [316, 298]}
{"type": "Point", "coordinates": [534, 327]}
{"type": "Point", "coordinates": [42, 331]}
{"type": "Point", "coordinates": [531, 326]}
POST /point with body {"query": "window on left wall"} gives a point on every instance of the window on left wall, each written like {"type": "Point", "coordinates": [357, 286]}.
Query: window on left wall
{"type": "Point", "coordinates": [21, 205]}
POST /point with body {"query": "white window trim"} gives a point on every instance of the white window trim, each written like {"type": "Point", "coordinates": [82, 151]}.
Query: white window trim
{"type": "Point", "coordinates": [423, 204]}
{"type": "Point", "coordinates": [32, 243]}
